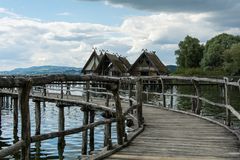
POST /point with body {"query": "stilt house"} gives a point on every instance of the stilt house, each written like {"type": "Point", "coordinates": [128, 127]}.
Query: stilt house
{"type": "Point", "coordinates": [113, 65]}
{"type": "Point", "coordinates": [92, 63]}
{"type": "Point", "coordinates": [148, 64]}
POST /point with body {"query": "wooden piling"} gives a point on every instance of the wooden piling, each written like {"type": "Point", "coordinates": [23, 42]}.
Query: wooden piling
{"type": "Point", "coordinates": [228, 112]}
{"type": "Point", "coordinates": [61, 127]}
{"type": "Point", "coordinates": [1, 106]}
{"type": "Point", "coordinates": [107, 127]}
{"type": "Point", "coordinates": [197, 105]}
{"type": "Point", "coordinates": [85, 133]}
{"type": "Point", "coordinates": [62, 90]}
{"type": "Point", "coordinates": [15, 116]}
{"type": "Point", "coordinates": [163, 92]}
{"type": "Point", "coordinates": [171, 98]}
{"type": "Point", "coordinates": [25, 118]}
{"type": "Point", "coordinates": [38, 117]}
{"type": "Point", "coordinates": [139, 88]}
{"type": "Point", "coordinates": [119, 116]}
{"type": "Point", "coordinates": [91, 134]}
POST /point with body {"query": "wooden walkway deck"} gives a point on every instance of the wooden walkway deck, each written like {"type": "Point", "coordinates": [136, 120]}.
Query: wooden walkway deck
{"type": "Point", "coordinates": [170, 135]}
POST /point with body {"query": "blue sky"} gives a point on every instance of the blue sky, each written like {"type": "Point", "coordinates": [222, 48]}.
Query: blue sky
{"type": "Point", "coordinates": [63, 32]}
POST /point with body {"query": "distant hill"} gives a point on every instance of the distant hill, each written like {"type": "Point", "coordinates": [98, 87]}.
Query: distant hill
{"type": "Point", "coordinates": [43, 70]}
{"type": "Point", "coordinates": [172, 68]}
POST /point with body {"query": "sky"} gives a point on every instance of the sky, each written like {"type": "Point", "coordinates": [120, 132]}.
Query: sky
{"type": "Point", "coordinates": [64, 32]}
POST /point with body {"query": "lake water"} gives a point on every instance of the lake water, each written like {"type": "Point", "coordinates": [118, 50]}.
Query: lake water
{"type": "Point", "coordinates": [73, 118]}
{"type": "Point", "coordinates": [48, 149]}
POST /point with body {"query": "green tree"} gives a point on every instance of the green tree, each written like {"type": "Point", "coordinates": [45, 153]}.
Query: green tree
{"type": "Point", "coordinates": [214, 48]}
{"type": "Point", "coordinates": [232, 60]}
{"type": "Point", "coordinates": [190, 53]}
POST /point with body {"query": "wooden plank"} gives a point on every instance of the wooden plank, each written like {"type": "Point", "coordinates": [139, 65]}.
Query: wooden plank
{"type": "Point", "coordinates": [169, 134]}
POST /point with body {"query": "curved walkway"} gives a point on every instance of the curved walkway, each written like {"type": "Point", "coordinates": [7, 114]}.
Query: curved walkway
{"type": "Point", "coordinates": [170, 135]}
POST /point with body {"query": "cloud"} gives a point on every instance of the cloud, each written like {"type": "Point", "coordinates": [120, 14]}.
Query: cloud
{"type": "Point", "coordinates": [194, 6]}
{"type": "Point", "coordinates": [26, 42]}
{"type": "Point", "coordinates": [222, 12]}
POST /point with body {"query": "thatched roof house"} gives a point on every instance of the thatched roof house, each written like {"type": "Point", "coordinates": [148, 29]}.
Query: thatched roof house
{"type": "Point", "coordinates": [148, 64]}
{"type": "Point", "coordinates": [92, 63]}
{"type": "Point", "coordinates": [112, 65]}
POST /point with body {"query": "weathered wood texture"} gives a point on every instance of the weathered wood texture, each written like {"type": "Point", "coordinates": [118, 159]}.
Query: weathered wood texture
{"type": "Point", "coordinates": [175, 136]}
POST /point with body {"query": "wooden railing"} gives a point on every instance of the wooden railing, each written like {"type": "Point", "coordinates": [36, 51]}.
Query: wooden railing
{"type": "Point", "coordinates": [85, 91]}
{"type": "Point", "coordinates": [27, 88]}
{"type": "Point", "coordinates": [197, 97]}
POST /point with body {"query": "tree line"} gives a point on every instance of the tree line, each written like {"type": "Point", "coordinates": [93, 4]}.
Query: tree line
{"type": "Point", "coordinates": [221, 53]}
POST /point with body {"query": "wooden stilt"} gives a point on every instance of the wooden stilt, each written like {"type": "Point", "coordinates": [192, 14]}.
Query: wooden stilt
{"type": "Point", "coordinates": [38, 117]}
{"type": "Point", "coordinates": [15, 116]}
{"type": "Point", "coordinates": [85, 133]}
{"type": "Point", "coordinates": [91, 134]}
{"type": "Point", "coordinates": [25, 118]}
{"type": "Point", "coordinates": [139, 101]}
{"type": "Point", "coordinates": [228, 112]}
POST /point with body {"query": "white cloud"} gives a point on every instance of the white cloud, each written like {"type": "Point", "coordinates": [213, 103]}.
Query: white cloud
{"type": "Point", "coordinates": [26, 42]}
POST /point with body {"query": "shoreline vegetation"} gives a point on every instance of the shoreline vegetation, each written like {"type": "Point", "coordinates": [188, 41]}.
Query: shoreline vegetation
{"type": "Point", "coordinates": [220, 56]}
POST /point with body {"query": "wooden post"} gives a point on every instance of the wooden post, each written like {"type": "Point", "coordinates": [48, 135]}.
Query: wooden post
{"type": "Point", "coordinates": [228, 112]}
{"type": "Point", "coordinates": [171, 100]}
{"type": "Point", "coordinates": [87, 91]}
{"type": "Point", "coordinates": [61, 90]}
{"type": "Point", "coordinates": [91, 134]}
{"type": "Point", "coordinates": [61, 127]}
{"type": "Point", "coordinates": [198, 107]}
{"type": "Point", "coordinates": [38, 117]}
{"type": "Point", "coordinates": [44, 90]}
{"type": "Point", "coordinates": [15, 116]}
{"type": "Point", "coordinates": [119, 116]}
{"type": "Point", "coordinates": [4, 101]}
{"type": "Point", "coordinates": [85, 133]}
{"type": "Point", "coordinates": [139, 88]}
{"type": "Point", "coordinates": [7, 101]}
{"type": "Point", "coordinates": [11, 100]}
{"type": "Point", "coordinates": [25, 118]}
{"type": "Point", "coordinates": [1, 106]}
{"type": "Point", "coordinates": [85, 120]}
{"type": "Point", "coordinates": [163, 92]}
{"type": "Point", "coordinates": [107, 127]}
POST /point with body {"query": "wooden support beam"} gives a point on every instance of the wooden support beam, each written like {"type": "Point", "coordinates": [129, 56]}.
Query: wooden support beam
{"type": "Point", "coordinates": [38, 117]}
{"type": "Point", "coordinates": [85, 133]}
{"type": "Point", "coordinates": [139, 88]}
{"type": "Point", "coordinates": [171, 98]}
{"type": "Point", "coordinates": [107, 127]}
{"type": "Point", "coordinates": [91, 134]}
{"type": "Point", "coordinates": [1, 106]}
{"type": "Point", "coordinates": [61, 128]}
{"type": "Point", "coordinates": [119, 116]}
{"type": "Point", "coordinates": [163, 92]}
{"type": "Point", "coordinates": [25, 118]}
{"type": "Point", "coordinates": [130, 94]}
{"type": "Point", "coordinates": [85, 120]}
{"type": "Point", "coordinates": [197, 103]}
{"type": "Point", "coordinates": [15, 116]}
{"type": "Point", "coordinates": [62, 90]}
{"type": "Point", "coordinates": [228, 112]}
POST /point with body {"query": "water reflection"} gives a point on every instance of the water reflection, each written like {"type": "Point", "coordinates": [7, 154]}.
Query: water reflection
{"type": "Point", "coordinates": [67, 148]}
{"type": "Point", "coordinates": [214, 93]}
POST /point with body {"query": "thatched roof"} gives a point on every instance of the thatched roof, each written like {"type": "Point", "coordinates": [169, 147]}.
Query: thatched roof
{"type": "Point", "coordinates": [94, 54]}
{"type": "Point", "coordinates": [154, 60]}
{"type": "Point", "coordinates": [120, 63]}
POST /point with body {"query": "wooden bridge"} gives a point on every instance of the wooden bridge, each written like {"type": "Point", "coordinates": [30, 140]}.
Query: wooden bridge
{"type": "Point", "coordinates": [157, 131]}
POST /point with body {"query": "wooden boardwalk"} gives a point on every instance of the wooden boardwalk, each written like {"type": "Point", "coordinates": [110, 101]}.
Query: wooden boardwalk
{"type": "Point", "coordinates": [170, 135]}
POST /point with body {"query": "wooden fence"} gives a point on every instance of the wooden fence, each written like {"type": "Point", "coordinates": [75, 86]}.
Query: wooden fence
{"type": "Point", "coordinates": [129, 90]}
